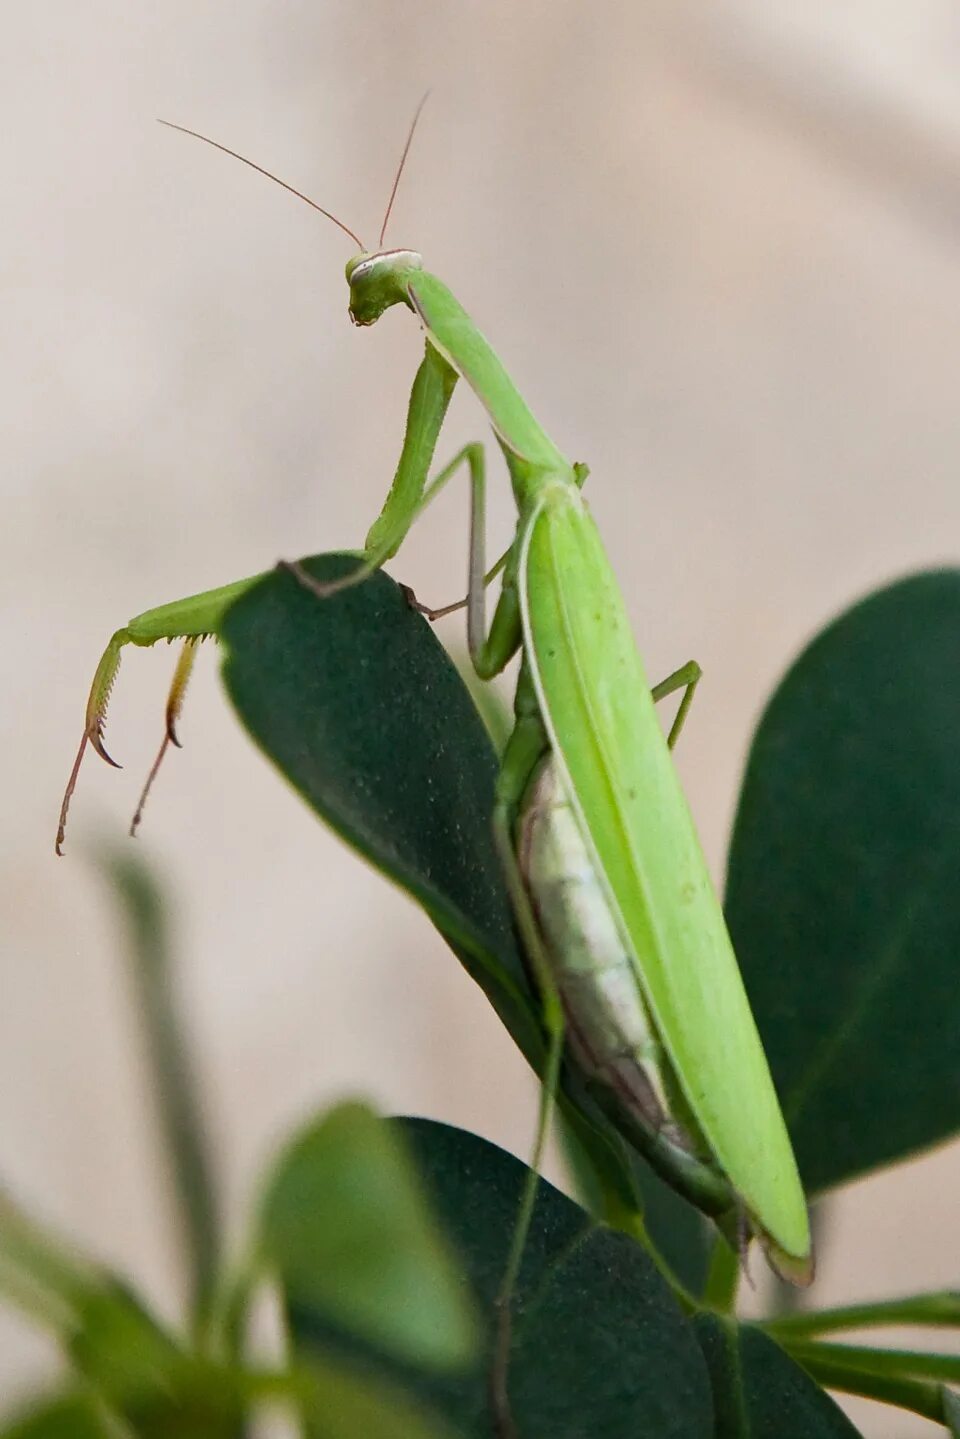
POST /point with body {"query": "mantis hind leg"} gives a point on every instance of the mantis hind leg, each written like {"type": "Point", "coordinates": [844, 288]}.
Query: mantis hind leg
{"type": "Point", "coordinates": [389, 539]}
{"type": "Point", "coordinates": [489, 652]}
{"type": "Point", "coordinates": [438, 613]}
{"type": "Point", "coordinates": [687, 677]}
{"type": "Point", "coordinates": [581, 472]}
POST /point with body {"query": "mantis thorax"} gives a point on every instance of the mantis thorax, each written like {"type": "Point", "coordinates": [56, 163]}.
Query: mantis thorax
{"type": "Point", "coordinates": [378, 280]}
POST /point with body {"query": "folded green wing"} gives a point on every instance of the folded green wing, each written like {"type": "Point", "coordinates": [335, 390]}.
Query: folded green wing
{"type": "Point", "coordinates": [600, 716]}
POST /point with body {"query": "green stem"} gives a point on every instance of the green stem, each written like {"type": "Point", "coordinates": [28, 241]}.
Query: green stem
{"type": "Point", "coordinates": [631, 1221]}
{"type": "Point", "coordinates": [940, 1309]}
{"type": "Point", "coordinates": [917, 1395]}
{"type": "Point", "coordinates": [723, 1277]}
{"type": "Point", "coordinates": [897, 1363]}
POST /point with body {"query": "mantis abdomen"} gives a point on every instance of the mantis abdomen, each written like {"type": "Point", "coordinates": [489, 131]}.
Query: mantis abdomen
{"type": "Point", "coordinates": [609, 1033]}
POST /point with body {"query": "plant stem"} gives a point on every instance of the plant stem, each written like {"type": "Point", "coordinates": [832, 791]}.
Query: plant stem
{"type": "Point", "coordinates": [939, 1309]}
{"type": "Point", "coordinates": [918, 1395]}
{"type": "Point", "coordinates": [899, 1363]}
{"type": "Point", "coordinates": [723, 1277]}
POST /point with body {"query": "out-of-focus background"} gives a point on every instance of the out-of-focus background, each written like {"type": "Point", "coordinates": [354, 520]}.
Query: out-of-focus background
{"type": "Point", "coordinates": [718, 248]}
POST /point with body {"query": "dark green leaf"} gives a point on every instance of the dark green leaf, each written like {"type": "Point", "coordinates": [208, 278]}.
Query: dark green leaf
{"type": "Point", "coordinates": [348, 1228]}
{"type": "Point", "coordinates": [599, 1344]}
{"type": "Point", "coordinates": [842, 898]}
{"type": "Point", "coordinates": [758, 1391]}
{"type": "Point", "coordinates": [360, 707]}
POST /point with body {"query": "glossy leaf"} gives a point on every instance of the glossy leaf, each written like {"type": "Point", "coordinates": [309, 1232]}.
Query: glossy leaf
{"type": "Point", "coordinates": [759, 1392]}
{"type": "Point", "coordinates": [358, 704]}
{"type": "Point", "coordinates": [347, 1227]}
{"type": "Point", "coordinates": [841, 895]}
{"type": "Point", "coordinates": [599, 1344]}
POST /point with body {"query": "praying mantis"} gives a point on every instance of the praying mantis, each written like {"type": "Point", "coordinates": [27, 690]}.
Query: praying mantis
{"type": "Point", "coordinates": [626, 939]}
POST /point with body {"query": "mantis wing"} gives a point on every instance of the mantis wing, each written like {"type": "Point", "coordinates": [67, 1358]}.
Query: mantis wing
{"type": "Point", "coordinates": [599, 715]}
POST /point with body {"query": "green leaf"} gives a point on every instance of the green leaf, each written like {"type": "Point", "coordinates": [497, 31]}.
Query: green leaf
{"type": "Point", "coordinates": [348, 1228]}
{"type": "Point", "coordinates": [175, 1091]}
{"type": "Point", "coordinates": [362, 710]}
{"type": "Point", "coordinates": [758, 1391]}
{"type": "Point", "coordinates": [599, 1345]}
{"type": "Point", "coordinates": [126, 1359]}
{"type": "Point", "coordinates": [842, 898]}
{"type": "Point", "coordinates": [71, 1417]}
{"type": "Point", "coordinates": [120, 1348]}
{"type": "Point", "coordinates": [345, 1404]}
{"type": "Point", "coordinates": [951, 1412]}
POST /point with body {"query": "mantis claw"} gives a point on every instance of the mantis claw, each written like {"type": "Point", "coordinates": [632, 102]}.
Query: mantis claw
{"type": "Point", "coordinates": [95, 736]}
{"type": "Point", "coordinates": [412, 601]}
{"type": "Point", "coordinates": [429, 614]}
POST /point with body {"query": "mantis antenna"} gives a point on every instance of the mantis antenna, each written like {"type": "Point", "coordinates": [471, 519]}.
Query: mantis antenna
{"type": "Point", "coordinates": [275, 178]}
{"type": "Point", "coordinates": [403, 161]}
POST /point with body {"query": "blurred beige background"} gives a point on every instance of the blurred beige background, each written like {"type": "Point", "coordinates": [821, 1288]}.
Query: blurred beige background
{"type": "Point", "coordinates": [718, 248]}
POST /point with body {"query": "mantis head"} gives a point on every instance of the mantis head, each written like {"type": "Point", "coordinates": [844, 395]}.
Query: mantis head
{"type": "Point", "coordinates": [378, 281]}
{"type": "Point", "coordinates": [377, 278]}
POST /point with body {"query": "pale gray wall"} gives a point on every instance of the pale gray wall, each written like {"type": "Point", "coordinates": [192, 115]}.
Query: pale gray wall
{"type": "Point", "coordinates": [717, 246]}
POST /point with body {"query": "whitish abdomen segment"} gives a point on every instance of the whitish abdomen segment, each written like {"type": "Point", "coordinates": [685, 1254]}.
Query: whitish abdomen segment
{"type": "Point", "coordinates": [609, 1032]}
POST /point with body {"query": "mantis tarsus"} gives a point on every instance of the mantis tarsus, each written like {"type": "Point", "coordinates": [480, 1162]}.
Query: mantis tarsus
{"type": "Point", "coordinates": [612, 894]}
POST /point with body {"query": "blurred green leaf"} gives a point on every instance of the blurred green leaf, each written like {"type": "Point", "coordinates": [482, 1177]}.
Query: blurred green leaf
{"type": "Point", "coordinates": [119, 1347]}
{"type": "Point", "coordinates": [174, 1088]}
{"type": "Point", "coordinates": [77, 1416]}
{"type": "Point", "coordinates": [841, 895]}
{"type": "Point", "coordinates": [599, 1345]}
{"type": "Point", "coordinates": [349, 1230]}
{"type": "Point", "coordinates": [349, 1404]}
{"type": "Point", "coordinates": [759, 1392]}
{"type": "Point", "coordinates": [951, 1412]}
{"type": "Point", "coordinates": [125, 1357]}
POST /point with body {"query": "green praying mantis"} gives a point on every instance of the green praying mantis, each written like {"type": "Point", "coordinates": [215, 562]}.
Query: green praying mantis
{"type": "Point", "coordinates": [637, 976]}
